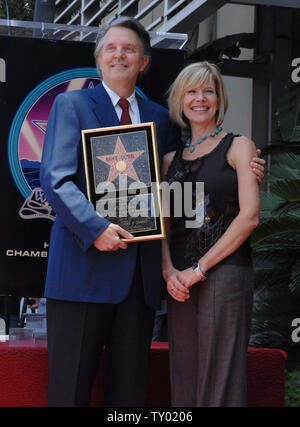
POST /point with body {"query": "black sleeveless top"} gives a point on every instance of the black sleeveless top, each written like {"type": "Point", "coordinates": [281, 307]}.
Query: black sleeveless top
{"type": "Point", "coordinates": [221, 206]}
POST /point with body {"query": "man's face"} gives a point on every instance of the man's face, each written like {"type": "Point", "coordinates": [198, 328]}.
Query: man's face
{"type": "Point", "coordinates": [121, 58]}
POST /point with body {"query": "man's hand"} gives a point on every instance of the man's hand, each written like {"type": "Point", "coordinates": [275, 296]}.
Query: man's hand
{"type": "Point", "coordinates": [110, 239]}
{"type": "Point", "coordinates": [258, 167]}
{"type": "Point", "coordinates": [33, 303]}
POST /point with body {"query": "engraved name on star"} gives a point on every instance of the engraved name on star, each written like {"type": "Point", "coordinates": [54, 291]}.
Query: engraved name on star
{"type": "Point", "coordinates": [121, 162]}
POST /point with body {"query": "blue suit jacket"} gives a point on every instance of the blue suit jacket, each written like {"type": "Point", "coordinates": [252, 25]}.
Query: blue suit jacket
{"type": "Point", "coordinates": [77, 271]}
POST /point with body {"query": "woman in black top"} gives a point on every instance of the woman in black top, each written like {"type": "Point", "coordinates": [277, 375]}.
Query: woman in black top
{"type": "Point", "coordinates": [208, 268]}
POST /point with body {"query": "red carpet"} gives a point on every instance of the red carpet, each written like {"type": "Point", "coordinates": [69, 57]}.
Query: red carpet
{"type": "Point", "coordinates": [24, 377]}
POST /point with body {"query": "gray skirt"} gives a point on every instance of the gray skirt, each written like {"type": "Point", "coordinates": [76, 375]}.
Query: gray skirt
{"type": "Point", "coordinates": [208, 339]}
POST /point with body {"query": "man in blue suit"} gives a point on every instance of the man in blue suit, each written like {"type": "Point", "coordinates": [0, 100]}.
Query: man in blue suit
{"type": "Point", "coordinates": [101, 292]}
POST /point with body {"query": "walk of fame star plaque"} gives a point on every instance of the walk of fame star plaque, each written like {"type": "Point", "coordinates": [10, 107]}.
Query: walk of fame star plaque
{"type": "Point", "coordinates": [123, 179]}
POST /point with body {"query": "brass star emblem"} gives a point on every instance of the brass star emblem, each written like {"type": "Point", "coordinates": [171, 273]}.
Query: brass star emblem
{"type": "Point", "coordinates": [121, 162]}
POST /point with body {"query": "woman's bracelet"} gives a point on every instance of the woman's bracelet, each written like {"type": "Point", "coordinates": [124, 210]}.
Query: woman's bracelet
{"type": "Point", "coordinates": [197, 269]}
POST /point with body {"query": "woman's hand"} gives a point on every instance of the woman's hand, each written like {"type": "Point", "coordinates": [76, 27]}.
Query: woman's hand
{"type": "Point", "coordinates": [189, 277]}
{"type": "Point", "coordinates": [258, 166]}
{"type": "Point", "coordinates": [175, 288]}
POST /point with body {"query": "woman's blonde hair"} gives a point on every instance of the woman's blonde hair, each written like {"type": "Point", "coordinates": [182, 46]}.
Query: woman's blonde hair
{"type": "Point", "coordinates": [193, 76]}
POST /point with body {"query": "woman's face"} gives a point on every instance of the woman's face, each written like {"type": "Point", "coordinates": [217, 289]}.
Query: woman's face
{"type": "Point", "coordinates": [200, 104]}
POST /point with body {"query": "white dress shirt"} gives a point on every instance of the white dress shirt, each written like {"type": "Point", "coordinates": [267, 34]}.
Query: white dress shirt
{"type": "Point", "coordinates": [133, 105]}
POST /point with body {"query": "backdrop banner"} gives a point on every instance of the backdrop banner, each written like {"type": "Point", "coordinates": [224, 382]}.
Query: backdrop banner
{"type": "Point", "coordinates": [32, 73]}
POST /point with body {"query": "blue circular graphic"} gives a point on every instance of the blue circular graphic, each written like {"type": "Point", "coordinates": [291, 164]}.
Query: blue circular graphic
{"type": "Point", "coordinates": [23, 185]}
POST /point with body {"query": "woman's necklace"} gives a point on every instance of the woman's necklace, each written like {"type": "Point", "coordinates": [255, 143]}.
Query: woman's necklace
{"type": "Point", "coordinates": [193, 146]}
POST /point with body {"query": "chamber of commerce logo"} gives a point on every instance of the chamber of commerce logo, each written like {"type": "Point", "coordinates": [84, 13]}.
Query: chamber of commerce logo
{"type": "Point", "coordinates": [26, 136]}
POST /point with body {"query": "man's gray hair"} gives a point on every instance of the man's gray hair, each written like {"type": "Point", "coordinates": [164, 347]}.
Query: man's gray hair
{"type": "Point", "coordinates": [131, 24]}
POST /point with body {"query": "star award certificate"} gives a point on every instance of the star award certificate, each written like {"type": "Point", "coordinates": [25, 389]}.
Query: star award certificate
{"type": "Point", "coordinates": [123, 179]}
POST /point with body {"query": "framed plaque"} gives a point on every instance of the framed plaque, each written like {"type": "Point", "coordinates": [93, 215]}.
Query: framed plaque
{"type": "Point", "coordinates": [123, 178]}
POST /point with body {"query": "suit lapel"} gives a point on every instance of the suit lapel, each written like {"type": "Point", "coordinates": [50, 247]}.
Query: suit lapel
{"type": "Point", "coordinates": [106, 114]}
{"type": "Point", "coordinates": [147, 112]}
{"type": "Point", "coordinates": [103, 107]}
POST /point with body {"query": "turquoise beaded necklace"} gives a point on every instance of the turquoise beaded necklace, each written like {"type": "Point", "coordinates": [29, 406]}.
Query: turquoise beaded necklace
{"type": "Point", "coordinates": [203, 138]}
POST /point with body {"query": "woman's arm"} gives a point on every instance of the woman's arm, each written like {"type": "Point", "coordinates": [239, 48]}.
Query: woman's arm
{"type": "Point", "coordinates": [175, 288]}
{"type": "Point", "coordinates": [239, 156]}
